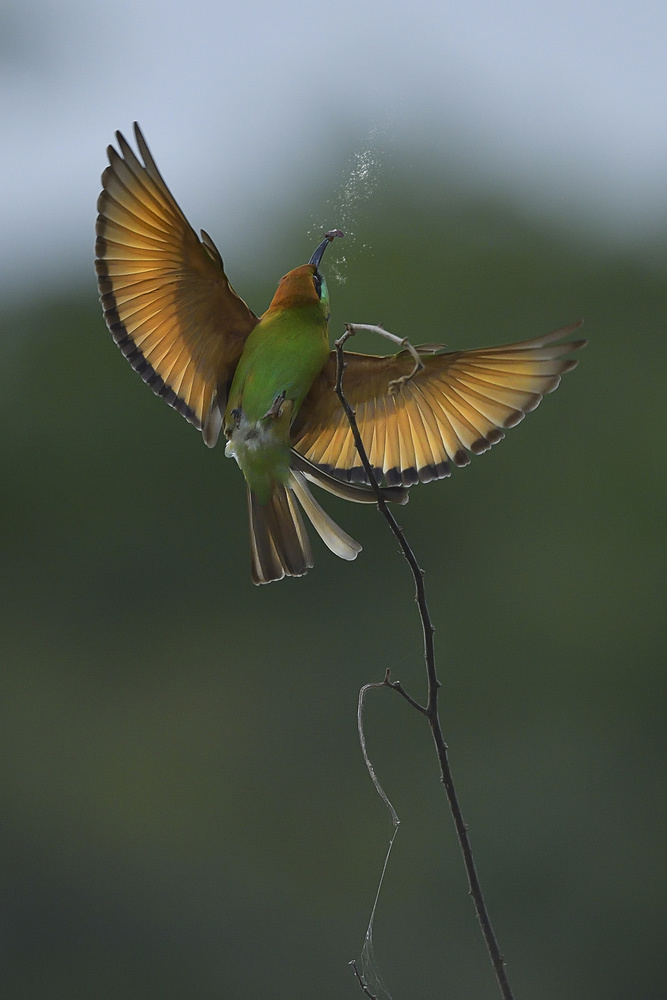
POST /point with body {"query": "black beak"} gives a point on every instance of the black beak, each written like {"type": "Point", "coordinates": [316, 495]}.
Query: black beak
{"type": "Point", "coordinates": [319, 253]}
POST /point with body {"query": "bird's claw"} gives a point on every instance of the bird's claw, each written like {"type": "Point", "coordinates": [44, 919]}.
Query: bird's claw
{"type": "Point", "coordinates": [276, 407]}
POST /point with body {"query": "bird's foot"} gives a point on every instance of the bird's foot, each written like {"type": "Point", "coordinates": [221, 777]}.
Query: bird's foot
{"type": "Point", "coordinates": [276, 407]}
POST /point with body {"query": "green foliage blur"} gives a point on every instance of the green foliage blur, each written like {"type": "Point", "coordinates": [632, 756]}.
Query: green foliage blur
{"type": "Point", "coordinates": [185, 810]}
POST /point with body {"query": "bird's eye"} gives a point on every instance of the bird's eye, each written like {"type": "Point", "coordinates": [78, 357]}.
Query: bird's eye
{"type": "Point", "coordinates": [317, 279]}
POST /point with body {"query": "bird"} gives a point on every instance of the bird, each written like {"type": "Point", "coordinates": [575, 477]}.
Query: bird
{"type": "Point", "coordinates": [267, 383]}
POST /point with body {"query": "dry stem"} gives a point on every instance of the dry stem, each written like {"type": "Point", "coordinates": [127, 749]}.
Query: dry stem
{"type": "Point", "coordinates": [430, 710]}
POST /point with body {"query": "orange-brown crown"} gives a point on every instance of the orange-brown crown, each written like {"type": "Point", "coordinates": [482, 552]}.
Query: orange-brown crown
{"type": "Point", "coordinates": [296, 289]}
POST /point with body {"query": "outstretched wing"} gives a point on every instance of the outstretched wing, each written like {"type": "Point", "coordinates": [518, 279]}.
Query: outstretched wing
{"type": "Point", "coordinates": [166, 298]}
{"type": "Point", "coordinates": [459, 402]}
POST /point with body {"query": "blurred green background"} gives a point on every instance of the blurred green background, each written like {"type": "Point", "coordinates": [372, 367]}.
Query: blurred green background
{"type": "Point", "coordinates": [185, 809]}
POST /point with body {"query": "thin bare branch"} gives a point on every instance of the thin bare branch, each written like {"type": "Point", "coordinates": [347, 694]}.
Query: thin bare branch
{"type": "Point", "coordinates": [397, 686]}
{"type": "Point", "coordinates": [403, 342]}
{"type": "Point", "coordinates": [431, 710]}
{"type": "Point", "coordinates": [367, 992]}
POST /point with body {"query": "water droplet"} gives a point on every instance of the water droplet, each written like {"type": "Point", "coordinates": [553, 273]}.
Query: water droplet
{"type": "Point", "coordinates": [358, 184]}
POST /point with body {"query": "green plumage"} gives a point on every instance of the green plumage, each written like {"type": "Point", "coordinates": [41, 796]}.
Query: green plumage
{"type": "Point", "coordinates": [282, 356]}
{"type": "Point", "coordinates": [284, 353]}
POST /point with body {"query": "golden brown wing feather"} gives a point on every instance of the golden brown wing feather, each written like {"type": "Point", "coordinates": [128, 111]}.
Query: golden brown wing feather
{"type": "Point", "coordinates": [460, 402]}
{"type": "Point", "coordinates": [166, 298]}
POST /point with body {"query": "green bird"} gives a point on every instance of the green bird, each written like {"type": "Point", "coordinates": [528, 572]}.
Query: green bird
{"type": "Point", "coordinates": [268, 382]}
{"type": "Point", "coordinates": [281, 358]}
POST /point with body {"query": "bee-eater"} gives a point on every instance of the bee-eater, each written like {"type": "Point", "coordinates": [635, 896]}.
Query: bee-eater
{"type": "Point", "coordinates": [268, 382]}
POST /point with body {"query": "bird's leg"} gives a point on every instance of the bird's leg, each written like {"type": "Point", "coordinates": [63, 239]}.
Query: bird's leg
{"type": "Point", "coordinates": [276, 407]}
{"type": "Point", "coordinates": [402, 342]}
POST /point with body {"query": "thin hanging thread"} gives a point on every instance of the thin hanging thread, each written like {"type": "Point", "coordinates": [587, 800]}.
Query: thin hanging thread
{"type": "Point", "coordinates": [370, 977]}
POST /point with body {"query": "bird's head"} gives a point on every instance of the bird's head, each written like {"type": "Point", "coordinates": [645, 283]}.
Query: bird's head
{"type": "Point", "coordinates": [305, 285]}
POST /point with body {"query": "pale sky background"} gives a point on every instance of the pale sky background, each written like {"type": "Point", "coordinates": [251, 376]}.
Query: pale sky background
{"type": "Point", "coordinates": [561, 106]}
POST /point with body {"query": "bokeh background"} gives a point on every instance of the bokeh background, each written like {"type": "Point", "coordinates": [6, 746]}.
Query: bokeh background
{"type": "Point", "coordinates": [184, 808]}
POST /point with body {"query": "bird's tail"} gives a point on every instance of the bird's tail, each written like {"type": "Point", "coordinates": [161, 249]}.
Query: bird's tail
{"type": "Point", "coordinates": [279, 544]}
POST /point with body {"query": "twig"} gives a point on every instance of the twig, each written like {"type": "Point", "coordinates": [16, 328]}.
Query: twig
{"type": "Point", "coordinates": [431, 708]}
{"type": "Point", "coordinates": [361, 982]}
{"type": "Point", "coordinates": [395, 384]}
{"type": "Point", "coordinates": [368, 962]}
